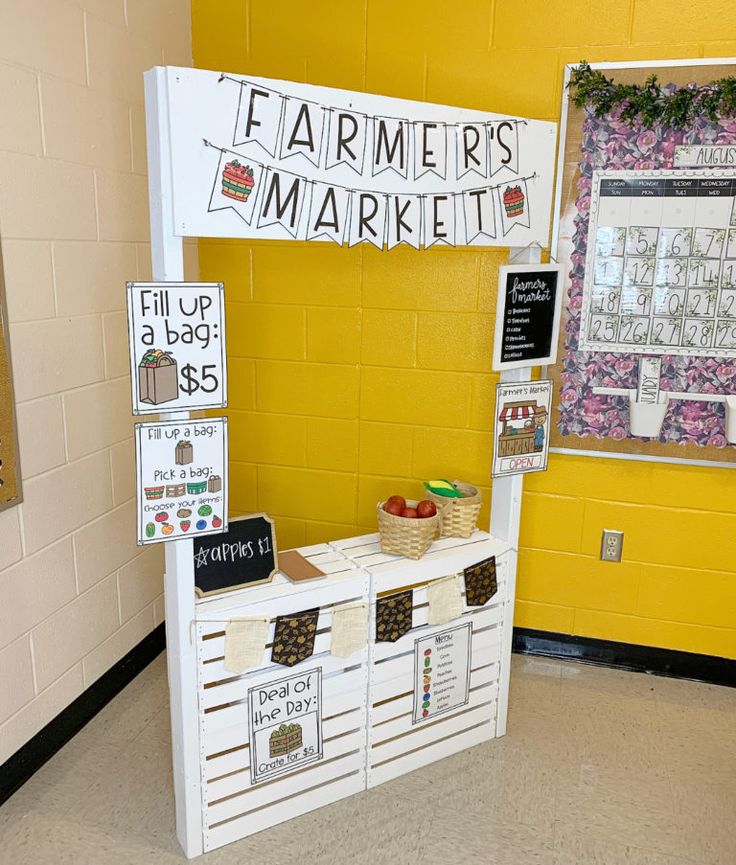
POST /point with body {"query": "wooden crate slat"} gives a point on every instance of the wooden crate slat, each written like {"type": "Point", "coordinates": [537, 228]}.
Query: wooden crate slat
{"type": "Point", "coordinates": [309, 800]}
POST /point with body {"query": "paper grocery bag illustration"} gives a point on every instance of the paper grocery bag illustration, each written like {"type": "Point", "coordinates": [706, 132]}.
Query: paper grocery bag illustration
{"type": "Point", "coordinates": [158, 378]}
{"type": "Point", "coordinates": [394, 616]}
{"type": "Point", "coordinates": [214, 484]}
{"type": "Point", "coordinates": [293, 638]}
{"type": "Point", "coordinates": [184, 453]}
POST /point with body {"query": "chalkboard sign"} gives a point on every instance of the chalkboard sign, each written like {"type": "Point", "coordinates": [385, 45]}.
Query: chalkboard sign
{"type": "Point", "coordinates": [527, 315]}
{"type": "Point", "coordinates": [242, 556]}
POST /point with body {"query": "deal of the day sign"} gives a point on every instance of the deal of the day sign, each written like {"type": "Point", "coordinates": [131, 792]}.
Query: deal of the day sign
{"type": "Point", "coordinates": [176, 335]}
{"type": "Point", "coordinates": [521, 423]}
{"type": "Point", "coordinates": [181, 479]}
{"type": "Point", "coordinates": [285, 725]}
{"type": "Point", "coordinates": [253, 157]}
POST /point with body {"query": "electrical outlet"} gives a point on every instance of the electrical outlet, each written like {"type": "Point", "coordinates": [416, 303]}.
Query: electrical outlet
{"type": "Point", "coordinates": [611, 545]}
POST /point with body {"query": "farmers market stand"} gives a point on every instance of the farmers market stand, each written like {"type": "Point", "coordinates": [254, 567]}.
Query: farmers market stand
{"type": "Point", "coordinates": [368, 736]}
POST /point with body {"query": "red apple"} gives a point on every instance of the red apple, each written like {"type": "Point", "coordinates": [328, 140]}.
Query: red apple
{"type": "Point", "coordinates": [393, 508]}
{"type": "Point", "coordinates": [411, 513]}
{"type": "Point", "coordinates": [426, 509]}
{"type": "Point", "coordinates": [399, 500]}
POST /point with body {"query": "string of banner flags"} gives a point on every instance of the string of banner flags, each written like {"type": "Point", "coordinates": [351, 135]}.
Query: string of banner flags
{"type": "Point", "coordinates": [277, 197]}
{"type": "Point", "coordinates": [286, 126]}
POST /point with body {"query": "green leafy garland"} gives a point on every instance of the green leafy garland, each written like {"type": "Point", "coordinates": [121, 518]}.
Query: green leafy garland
{"type": "Point", "coordinates": [648, 104]}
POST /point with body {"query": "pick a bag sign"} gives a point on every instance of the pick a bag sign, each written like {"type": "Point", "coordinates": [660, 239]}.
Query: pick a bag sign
{"type": "Point", "coordinates": [176, 335]}
{"type": "Point", "coordinates": [261, 158]}
{"type": "Point", "coordinates": [285, 725]}
{"type": "Point", "coordinates": [181, 479]}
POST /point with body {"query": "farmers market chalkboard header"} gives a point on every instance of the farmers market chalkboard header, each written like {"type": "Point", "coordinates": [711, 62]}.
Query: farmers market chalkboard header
{"type": "Point", "coordinates": [255, 157]}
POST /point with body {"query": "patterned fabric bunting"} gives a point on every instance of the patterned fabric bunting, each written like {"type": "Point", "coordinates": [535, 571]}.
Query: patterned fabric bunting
{"type": "Point", "coordinates": [480, 582]}
{"type": "Point", "coordinates": [293, 639]}
{"type": "Point", "coordinates": [393, 616]}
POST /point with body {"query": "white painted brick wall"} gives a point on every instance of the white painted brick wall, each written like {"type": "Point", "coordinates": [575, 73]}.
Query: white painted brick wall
{"type": "Point", "coordinates": [77, 593]}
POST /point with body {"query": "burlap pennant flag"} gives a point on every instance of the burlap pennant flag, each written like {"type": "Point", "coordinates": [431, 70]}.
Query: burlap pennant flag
{"type": "Point", "coordinates": [293, 639]}
{"type": "Point", "coordinates": [394, 616]}
{"type": "Point", "coordinates": [349, 629]}
{"type": "Point", "coordinates": [245, 641]}
{"type": "Point", "coordinates": [445, 598]}
{"type": "Point", "coordinates": [480, 582]}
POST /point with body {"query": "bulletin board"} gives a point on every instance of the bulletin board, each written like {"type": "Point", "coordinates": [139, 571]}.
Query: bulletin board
{"type": "Point", "coordinates": [598, 150]}
{"type": "Point", "coordinates": [9, 470]}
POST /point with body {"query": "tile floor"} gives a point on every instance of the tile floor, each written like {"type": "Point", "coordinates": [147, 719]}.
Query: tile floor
{"type": "Point", "coordinates": [598, 768]}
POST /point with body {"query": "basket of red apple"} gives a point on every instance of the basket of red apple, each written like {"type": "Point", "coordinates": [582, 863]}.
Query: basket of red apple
{"type": "Point", "coordinates": [407, 527]}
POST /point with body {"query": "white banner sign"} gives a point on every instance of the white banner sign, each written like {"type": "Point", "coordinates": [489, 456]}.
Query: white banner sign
{"type": "Point", "coordinates": [441, 672]}
{"type": "Point", "coordinates": [285, 725]}
{"type": "Point", "coordinates": [181, 479]}
{"type": "Point", "coordinates": [176, 337]}
{"type": "Point", "coordinates": [255, 157]}
{"type": "Point", "coordinates": [521, 423]}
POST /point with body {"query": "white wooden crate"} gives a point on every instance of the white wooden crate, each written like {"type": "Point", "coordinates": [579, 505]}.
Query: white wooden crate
{"type": "Point", "coordinates": [233, 807]}
{"type": "Point", "coordinates": [396, 745]}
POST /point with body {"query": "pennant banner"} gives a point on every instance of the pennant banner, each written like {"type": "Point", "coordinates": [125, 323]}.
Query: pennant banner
{"type": "Point", "coordinates": [259, 117]}
{"type": "Point", "coordinates": [237, 185]}
{"type": "Point", "coordinates": [439, 219]}
{"type": "Point", "coordinates": [404, 220]}
{"type": "Point", "coordinates": [328, 212]}
{"type": "Point", "coordinates": [503, 146]}
{"type": "Point", "coordinates": [390, 146]}
{"type": "Point", "coordinates": [282, 200]}
{"type": "Point", "coordinates": [430, 149]}
{"type": "Point", "coordinates": [293, 638]}
{"type": "Point", "coordinates": [309, 163]}
{"type": "Point", "coordinates": [480, 214]}
{"type": "Point", "coordinates": [346, 137]}
{"type": "Point", "coordinates": [367, 218]}
{"type": "Point", "coordinates": [514, 206]}
{"type": "Point", "coordinates": [302, 130]}
{"type": "Point", "coordinates": [471, 142]}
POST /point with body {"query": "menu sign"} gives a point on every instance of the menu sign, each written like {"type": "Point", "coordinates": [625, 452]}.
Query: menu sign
{"type": "Point", "coordinates": [441, 672]}
{"type": "Point", "coordinates": [527, 315]}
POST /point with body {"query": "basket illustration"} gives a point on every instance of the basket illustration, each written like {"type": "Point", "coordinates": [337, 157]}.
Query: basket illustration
{"type": "Point", "coordinates": [404, 536]}
{"type": "Point", "coordinates": [286, 739]}
{"type": "Point", "coordinates": [195, 489]}
{"type": "Point", "coordinates": [153, 493]}
{"type": "Point", "coordinates": [458, 517]}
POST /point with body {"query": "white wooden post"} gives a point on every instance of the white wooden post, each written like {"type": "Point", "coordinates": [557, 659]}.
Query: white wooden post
{"type": "Point", "coordinates": [167, 256]}
{"type": "Point", "coordinates": [506, 519]}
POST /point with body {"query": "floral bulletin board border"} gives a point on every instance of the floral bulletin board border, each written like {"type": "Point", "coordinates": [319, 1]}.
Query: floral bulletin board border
{"type": "Point", "coordinates": [587, 421]}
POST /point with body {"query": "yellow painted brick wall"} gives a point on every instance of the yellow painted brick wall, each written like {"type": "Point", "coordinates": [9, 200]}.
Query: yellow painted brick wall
{"type": "Point", "coordinates": [355, 374]}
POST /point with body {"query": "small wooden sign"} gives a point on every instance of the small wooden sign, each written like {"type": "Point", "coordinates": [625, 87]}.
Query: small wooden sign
{"type": "Point", "coordinates": [244, 555]}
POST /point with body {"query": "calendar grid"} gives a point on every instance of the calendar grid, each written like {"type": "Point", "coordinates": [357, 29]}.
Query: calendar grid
{"type": "Point", "coordinates": [662, 276]}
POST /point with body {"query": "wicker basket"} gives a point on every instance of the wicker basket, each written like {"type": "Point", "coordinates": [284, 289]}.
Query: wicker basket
{"type": "Point", "coordinates": [404, 536]}
{"type": "Point", "coordinates": [458, 517]}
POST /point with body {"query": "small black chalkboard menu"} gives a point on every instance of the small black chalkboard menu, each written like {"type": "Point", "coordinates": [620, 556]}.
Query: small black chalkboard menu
{"type": "Point", "coordinates": [527, 315]}
{"type": "Point", "coordinates": [242, 556]}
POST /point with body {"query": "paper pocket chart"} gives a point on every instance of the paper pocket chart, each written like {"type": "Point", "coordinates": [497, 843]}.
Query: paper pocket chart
{"type": "Point", "coordinates": [181, 482]}
{"type": "Point", "coordinates": [176, 335]}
